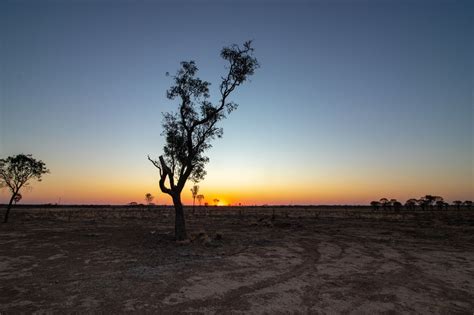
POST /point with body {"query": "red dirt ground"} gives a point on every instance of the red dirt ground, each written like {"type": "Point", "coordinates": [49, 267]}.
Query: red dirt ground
{"type": "Point", "coordinates": [305, 261]}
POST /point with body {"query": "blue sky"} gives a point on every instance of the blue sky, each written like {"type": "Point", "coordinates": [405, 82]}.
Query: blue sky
{"type": "Point", "coordinates": [354, 100]}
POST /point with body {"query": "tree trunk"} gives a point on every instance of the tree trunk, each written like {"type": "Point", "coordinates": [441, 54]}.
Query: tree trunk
{"type": "Point", "coordinates": [194, 199]}
{"type": "Point", "coordinates": [179, 223]}
{"type": "Point", "coordinates": [5, 219]}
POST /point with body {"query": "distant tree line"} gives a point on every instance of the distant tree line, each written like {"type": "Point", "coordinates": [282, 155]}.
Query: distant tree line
{"type": "Point", "coordinates": [428, 202]}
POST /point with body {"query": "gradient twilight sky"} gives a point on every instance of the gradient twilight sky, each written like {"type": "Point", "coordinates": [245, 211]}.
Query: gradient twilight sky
{"type": "Point", "coordinates": [354, 100]}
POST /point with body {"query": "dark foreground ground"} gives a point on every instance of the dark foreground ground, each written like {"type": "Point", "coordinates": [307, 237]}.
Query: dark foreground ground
{"type": "Point", "coordinates": [305, 261]}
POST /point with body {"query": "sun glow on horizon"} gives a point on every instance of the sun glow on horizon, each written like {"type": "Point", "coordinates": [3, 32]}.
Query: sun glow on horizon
{"type": "Point", "coordinates": [317, 124]}
{"type": "Point", "coordinates": [222, 203]}
{"type": "Point", "coordinates": [63, 189]}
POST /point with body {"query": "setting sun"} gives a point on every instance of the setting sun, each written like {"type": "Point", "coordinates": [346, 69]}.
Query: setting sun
{"type": "Point", "coordinates": [222, 203]}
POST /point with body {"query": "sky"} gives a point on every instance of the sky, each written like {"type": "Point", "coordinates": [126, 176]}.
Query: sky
{"type": "Point", "coordinates": [354, 100]}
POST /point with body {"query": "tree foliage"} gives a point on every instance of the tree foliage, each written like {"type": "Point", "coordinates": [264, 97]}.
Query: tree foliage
{"type": "Point", "coordinates": [200, 198]}
{"type": "Point", "coordinates": [17, 171]}
{"type": "Point", "coordinates": [15, 174]}
{"type": "Point", "coordinates": [189, 131]}
{"type": "Point", "coordinates": [194, 191]}
{"type": "Point", "coordinates": [149, 198]}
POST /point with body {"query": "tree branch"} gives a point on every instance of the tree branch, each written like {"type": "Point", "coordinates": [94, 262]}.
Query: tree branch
{"type": "Point", "coordinates": [164, 172]}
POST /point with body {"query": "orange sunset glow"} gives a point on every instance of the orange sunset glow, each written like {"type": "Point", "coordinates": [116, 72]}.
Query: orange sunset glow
{"type": "Point", "coordinates": [236, 156]}
{"type": "Point", "coordinates": [317, 123]}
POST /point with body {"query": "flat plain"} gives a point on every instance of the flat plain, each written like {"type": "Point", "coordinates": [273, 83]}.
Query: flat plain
{"type": "Point", "coordinates": [240, 260]}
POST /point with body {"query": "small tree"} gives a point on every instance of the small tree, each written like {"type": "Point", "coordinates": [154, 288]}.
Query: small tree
{"type": "Point", "coordinates": [392, 203]}
{"type": "Point", "coordinates": [216, 201]}
{"type": "Point", "coordinates": [200, 198]}
{"type": "Point", "coordinates": [385, 203]}
{"type": "Point", "coordinates": [429, 201]}
{"type": "Point", "coordinates": [375, 205]}
{"type": "Point", "coordinates": [194, 192]}
{"type": "Point", "coordinates": [397, 206]}
{"type": "Point", "coordinates": [189, 131]}
{"type": "Point", "coordinates": [422, 203]}
{"type": "Point", "coordinates": [149, 198]}
{"type": "Point", "coordinates": [410, 204]}
{"type": "Point", "coordinates": [440, 204]}
{"type": "Point", "coordinates": [446, 205]}
{"type": "Point", "coordinates": [16, 172]}
{"type": "Point", "coordinates": [458, 204]}
{"type": "Point", "coordinates": [468, 204]}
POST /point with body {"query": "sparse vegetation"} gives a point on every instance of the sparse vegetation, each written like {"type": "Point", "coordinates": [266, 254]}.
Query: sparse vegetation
{"type": "Point", "coordinates": [189, 131]}
{"type": "Point", "coordinates": [194, 192]}
{"type": "Point", "coordinates": [149, 198]}
{"type": "Point", "coordinates": [101, 251]}
{"type": "Point", "coordinates": [410, 204]}
{"type": "Point", "coordinates": [385, 203]}
{"type": "Point", "coordinates": [15, 174]}
{"type": "Point", "coordinates": [200, 198]}
{"type": "Point", "coordinates": [397, 205]}
{"type": "Point", "coordinates": [468, 204]}
{"type": "Point", "coordinates": [427, 202]}
{"type": "Point", "coordinates": [457, 204]}
{"type": "Point", "coordinates": [375, 205]}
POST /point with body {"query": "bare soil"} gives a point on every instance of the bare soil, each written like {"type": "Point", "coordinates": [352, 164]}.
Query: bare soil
{"type": "Point", "coordinates": [307, 260]}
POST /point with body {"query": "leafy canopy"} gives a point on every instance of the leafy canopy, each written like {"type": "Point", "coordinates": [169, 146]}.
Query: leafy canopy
{"type": "Point", "coordinates": [189, 131]}
{"type": "Point", "coordinates": [16, 171]}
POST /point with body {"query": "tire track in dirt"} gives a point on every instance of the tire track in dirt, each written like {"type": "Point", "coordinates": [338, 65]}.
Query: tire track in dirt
{"type": "Point", "coordinates": [238, 298]}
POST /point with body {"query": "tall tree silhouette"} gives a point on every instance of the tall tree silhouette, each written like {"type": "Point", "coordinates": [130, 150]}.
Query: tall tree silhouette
{"type": "Point", "coordinates": [16, 172]}
{"type": "Point", "coordinates": [189, 131]}
{"type": "Point", "coordinates": [194, 192]}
